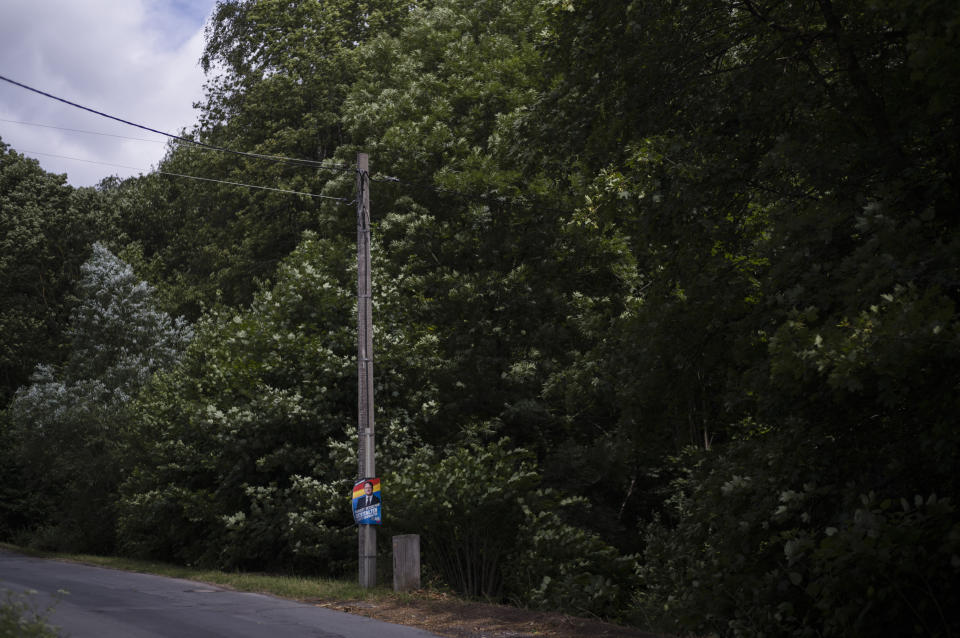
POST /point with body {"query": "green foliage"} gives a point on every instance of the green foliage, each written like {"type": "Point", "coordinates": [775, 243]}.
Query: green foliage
{"type": "Point", "coordinates": [46, 228]}
{"type": "Point", "coordinates": [249, 451]}
{"type": "Point", "coordinates": [19, 507]}
{"type": "Point", "coordinates": [467, 506]}
{"type": "Point", "coordinates": [464, 71]}
{"type": "Point", "coordinates": [788, 545]}
{"type": "Point", "coordinates": [560, 566]}
{"type": "Point", "coordinates": [891, 567]}
{"type": "Point", "coordinates": [509, 288]}
{"type": "Point", "coordinates": [490, 529]}
{"type": "Point", "coordinates": [784, 181]}
{"type": "Point", "coordinates": [440, 94]}
{"type": "Point", "coordinates": [19, 618]}
{"type": "Point", "coordinates": [69, 428]}
{"type": "Point", "coordinates": [278, 73]}
{"type": "Point", "coordinates": [771, 549]}
{"type": "Point", "coordinates": [607, 231]}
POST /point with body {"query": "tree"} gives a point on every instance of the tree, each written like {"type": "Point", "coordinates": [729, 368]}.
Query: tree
{"type": "Point", "coordinates": [783, 175]}
{"type": "Point", "coordinates": [250, 445]}
{"type": "Point", "coordinates": [277, 76]}
{"type": "Point", "coordinates": [70, 426]}
{"type": "Point", "coordinates": [492, 264]}
{"type": "Point", "coordinates": [46, 228]}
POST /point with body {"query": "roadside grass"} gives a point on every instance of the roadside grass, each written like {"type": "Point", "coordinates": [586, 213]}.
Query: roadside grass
{"type": "Point", "coordinates": [436, 611]}
{"type": "Point", "coordinates": [284, 586]}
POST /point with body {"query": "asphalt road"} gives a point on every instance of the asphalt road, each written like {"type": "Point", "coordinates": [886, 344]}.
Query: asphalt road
{"type": "Point", "coordinates": [107, 603]}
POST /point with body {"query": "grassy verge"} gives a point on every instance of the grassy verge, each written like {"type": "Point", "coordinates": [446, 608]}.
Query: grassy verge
{"type": "Point", "coordinates": [296, 587]}
{"type": "Point", "coordinates": [436, 612]}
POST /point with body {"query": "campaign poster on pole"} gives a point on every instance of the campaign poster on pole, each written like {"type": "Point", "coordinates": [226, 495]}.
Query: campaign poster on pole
{"type": "Point", "coordinates": [366, 502]}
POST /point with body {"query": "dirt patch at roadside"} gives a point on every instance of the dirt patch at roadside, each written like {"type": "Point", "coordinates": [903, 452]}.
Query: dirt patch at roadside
{"type": "Point", "coordinates": [447, 616]}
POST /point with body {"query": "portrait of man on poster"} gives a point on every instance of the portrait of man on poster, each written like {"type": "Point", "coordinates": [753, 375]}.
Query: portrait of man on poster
{"type": "Point", "coordinates": [366, 502]}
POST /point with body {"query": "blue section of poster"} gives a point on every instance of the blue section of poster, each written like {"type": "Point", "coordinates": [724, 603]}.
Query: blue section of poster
{"type": "Point", "coordinates": [366, 502]}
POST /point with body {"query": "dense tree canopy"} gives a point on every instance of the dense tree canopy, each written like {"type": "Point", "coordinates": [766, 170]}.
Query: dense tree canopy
{"type": "Point", "coordinates": [674, 285]}
{"type": "Point", "coordinates": [46, 228]}
{"type": "Point", "coordinates": [70, 427]}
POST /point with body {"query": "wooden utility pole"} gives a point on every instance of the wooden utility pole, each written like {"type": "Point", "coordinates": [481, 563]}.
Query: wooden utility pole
{"type": "Point", "coordinates": [367, 543]}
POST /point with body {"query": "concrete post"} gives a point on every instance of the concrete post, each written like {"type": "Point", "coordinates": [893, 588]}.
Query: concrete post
{"type": "Point", "coordinates": [406, 562]}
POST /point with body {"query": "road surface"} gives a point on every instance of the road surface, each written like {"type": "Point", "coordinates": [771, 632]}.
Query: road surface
{"type": "Point", "coordinates": [107, 603]}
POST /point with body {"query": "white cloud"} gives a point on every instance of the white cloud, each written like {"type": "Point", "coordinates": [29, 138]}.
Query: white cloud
{"type": "Point", "coordinates": [135, 59]}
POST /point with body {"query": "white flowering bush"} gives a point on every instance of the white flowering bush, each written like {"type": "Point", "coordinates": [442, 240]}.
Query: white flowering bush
{"type": "Point", "coordinates": [253, 439]}
{"type": "Point", "coordinates": [490, 528]}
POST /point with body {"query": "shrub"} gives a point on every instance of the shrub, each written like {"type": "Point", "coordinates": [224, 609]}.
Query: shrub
{"type": "Point", "coordinates": [775, 552]}
{"type": "Point", "coordinates": [491, 531]}
{"type": "Point", "coordinates": [20, 618]}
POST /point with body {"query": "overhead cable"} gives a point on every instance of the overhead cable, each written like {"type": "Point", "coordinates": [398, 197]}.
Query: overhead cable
{"type": "Point", "coordinates": [77, 130]}
{"type": "Point", "coordinates": [260, 156]}
{"type": "Point", "coordinates": [342, 200]}
{"type": "Point", "coordinates": [519, 202]}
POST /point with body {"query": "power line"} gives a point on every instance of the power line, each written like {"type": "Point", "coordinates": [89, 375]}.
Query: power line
{"type": "Point", "coordinates": [77, 130]}
{"type": "Point", "coordinates": [80, 159]}
{"type": "Point", "coordinates": [342, 200]}
{"type": "Point", "coordinates": [273, 158]}
{"type": "Point", "coordinates": [521, 202]}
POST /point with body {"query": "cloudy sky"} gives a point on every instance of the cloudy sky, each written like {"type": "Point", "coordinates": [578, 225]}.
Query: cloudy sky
{"type": "Point", "coordinates": [135, 59]}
